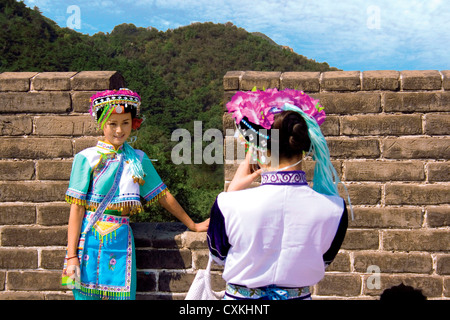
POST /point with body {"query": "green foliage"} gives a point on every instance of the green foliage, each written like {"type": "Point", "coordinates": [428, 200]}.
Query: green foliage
{"type": "Point", "coordinates": [178, 74]}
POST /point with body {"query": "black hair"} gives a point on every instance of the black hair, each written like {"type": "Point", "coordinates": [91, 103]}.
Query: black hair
{"type": "Point", "coordinates": [127, 109]}
{"type": "Point", "coordinates": [292, 138]}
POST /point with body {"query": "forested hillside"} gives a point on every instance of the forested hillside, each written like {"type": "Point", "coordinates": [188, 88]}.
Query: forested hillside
{"type": "Point", "coordinates": [178, 74]}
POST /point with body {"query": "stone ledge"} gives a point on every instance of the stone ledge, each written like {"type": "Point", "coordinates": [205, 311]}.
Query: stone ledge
{"type": "Point", "coordinates": [421, 80]}
{"type": "Point", "coordinates": [97, 80]}
{"type": "Point", "coordinates": [446, 79]}
{"type": "Point", "coordinates": [16, 81]}
{"type": "Point", "coordinates": [232, 79]}
{"type": "Point", "coordinates": [260, 79]}
{"type": "Point", "coordinates": [381, 80]}
{"type": "Point", "coordinates": [339, 81]}
{"type": "Point", "coordinates": [305, 81]}
{"type": "Point", "coordinates": [61, 81]}
{"type": "Point", "coordinates": [166, 235]}
{"type": "Point", "coordinates": [52, 81]}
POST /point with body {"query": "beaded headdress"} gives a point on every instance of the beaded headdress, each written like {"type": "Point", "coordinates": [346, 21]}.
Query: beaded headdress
{"type": "Point", "coordinates": [105, 103]}
{"type": "Point", "coordinates": [108, 102]}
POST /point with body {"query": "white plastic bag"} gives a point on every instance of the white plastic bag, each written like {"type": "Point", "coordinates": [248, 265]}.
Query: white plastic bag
{"type": "Point", "coordinates": [201, 286]}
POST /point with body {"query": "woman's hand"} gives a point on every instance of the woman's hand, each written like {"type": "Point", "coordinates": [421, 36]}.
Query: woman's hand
{"type": "Point", "coordinates": [73, 270]}
{"type": "Point", "coordinates": [243, 177]}
{"type": "Point", "coordinates": [201, 227]}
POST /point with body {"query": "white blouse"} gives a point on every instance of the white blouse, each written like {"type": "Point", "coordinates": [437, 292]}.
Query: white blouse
{"type": "Point", "coordinates": [281, 233]}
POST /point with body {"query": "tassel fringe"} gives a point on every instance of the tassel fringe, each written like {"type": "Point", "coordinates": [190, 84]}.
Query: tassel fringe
{"type": "Point", "coordinates": [104, 238]}
{"type": "Point", "coordinates": [133, 207]}
{"type": "Point", "coordinates": [73, 200]}
{"type": "Point", "coordinates": [157, 197]}
{"type": "Point", "coordinates": [107, 295]}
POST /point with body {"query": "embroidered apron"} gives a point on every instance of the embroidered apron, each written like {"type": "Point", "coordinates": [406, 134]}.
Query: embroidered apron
{"type": "Point", "coordinates": [105, 251]}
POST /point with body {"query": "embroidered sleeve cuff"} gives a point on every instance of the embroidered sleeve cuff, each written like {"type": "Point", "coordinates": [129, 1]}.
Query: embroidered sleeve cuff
{"type": "Point", "coordinates": [157, 192]}
{"type": "Point", "coordinates": [74, 196]}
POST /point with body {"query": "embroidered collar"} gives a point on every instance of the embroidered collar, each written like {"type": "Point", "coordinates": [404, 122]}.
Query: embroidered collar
{"type": "Point", "coordinates": [284, 178]}
{"type": "Point", "coordinates": [108, 146]}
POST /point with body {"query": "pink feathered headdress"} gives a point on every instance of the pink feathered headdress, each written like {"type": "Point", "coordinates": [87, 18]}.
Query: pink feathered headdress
{"type": "Point", "coordinates": [260, 107]}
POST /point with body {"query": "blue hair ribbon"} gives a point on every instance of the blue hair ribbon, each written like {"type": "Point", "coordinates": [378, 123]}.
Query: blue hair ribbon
{"type": "Point", "coordinates": [325, 179]}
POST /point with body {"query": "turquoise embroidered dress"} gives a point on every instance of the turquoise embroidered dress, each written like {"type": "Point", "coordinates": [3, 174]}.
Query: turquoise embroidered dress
{"type": "Point", "coordinates": [106, 251]}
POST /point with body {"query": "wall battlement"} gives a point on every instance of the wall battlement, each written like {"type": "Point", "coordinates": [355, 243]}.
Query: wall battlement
{"type": "Point", "coordinates": [388, 133]}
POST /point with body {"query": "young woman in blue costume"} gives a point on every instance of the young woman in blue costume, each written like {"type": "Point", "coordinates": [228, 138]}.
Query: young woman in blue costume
{"type": "Point", "coordinates": [108, 183]}
{"type": "Point", "coordinates": [276, 240]}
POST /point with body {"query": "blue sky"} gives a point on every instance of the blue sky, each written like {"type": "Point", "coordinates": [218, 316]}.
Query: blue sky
{"type": "Point", "coordinates": [348, 34]}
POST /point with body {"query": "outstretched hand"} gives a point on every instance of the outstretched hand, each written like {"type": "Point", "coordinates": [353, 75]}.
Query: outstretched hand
{"type": "Point", "coordinates": [201, 227]}
{"type": "Point", "coordinates": [243, 177]}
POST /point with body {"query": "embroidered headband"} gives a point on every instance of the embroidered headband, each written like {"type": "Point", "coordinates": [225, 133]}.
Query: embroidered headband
{"type": "Point", "coordinates": [108, 102]}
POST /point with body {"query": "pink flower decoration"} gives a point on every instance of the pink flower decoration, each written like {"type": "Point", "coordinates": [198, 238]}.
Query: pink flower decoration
{"type": "Point", "coordinates": [260, 106]}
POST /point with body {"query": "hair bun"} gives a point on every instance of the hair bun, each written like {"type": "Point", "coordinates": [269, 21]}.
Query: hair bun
{"type": "Point", "coordinates": [293, 134]}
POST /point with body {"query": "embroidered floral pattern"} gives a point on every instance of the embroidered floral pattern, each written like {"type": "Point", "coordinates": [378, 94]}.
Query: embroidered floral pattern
{"type": "Point", "coordinates": [85, 260]}
{"type": "Point", "coordinates": [104, 158]}
{"type": "Point", "coordinates": [112, 262]}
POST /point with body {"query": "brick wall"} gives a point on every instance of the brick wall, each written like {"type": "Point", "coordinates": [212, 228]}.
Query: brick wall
{"type": "Point", "coordinates": [387, 133]}
{"type": "Point", "coordinates": [388, 137]}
